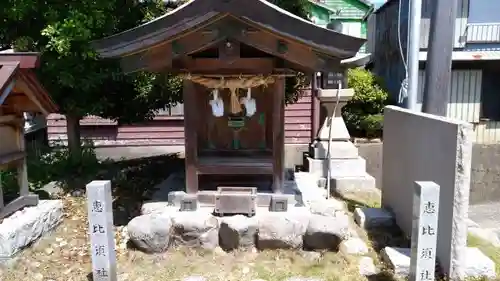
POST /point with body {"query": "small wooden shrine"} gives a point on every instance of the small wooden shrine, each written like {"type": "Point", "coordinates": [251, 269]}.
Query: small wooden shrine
{"type": "Point", "coordinates": [20, 92]}
{"type": "Point", "coordinates": [234, 56]}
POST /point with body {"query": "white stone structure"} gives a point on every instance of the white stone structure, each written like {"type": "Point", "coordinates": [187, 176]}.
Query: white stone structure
{"type": "Point", "coordinates": [102, 243]}
{"type": "Point", "coordinates": [424, 232]}
{"type": "Point", "coordinates": [347, 168]}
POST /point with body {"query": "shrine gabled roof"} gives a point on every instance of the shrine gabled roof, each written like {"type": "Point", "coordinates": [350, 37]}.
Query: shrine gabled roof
{"type": "Point", "coordinates": [15, 72]}
{"type": "Point", "coordinates": [198, 13]}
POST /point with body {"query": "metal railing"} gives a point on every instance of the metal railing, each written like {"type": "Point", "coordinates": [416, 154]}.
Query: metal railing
{"type": "Point", "coordinates": [482, 33]}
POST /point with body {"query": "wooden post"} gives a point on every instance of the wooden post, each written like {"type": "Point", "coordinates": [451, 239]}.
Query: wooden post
{"type": "Point", "coordinates": [315, 108]}
{"type": "Point", "coordinates": [278, 127]}
{"type": "Point", "coordinates": [22, 169]}
{"type": "Point", "coordinates": [190, 135]}
{"type": "Point", "coordinates": [1, 192]}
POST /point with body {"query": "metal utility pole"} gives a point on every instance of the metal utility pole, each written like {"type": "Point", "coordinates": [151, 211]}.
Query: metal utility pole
{"type": "Point", "coordinates": [438, 65]}
{"type": "Point", "coordinates": [413, 50]}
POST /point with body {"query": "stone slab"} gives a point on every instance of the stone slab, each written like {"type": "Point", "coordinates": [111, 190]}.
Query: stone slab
{"type": "Point", "coordinates": [398, 260]}
{"type": "Point", "coordinates": [359, 185]}
{"type": "Point", "coordinates": [25, 226]}
{"type": "Point", "coordinates": [338, 167]}
{"type": "Point", "coordinates": [338, 150]}
{"type": "Point", "coordinates": [373, 217]}
{"type": "Point", "coordinates": [478, 264]}
{"type": "Point", "coordinates": [420, 146]}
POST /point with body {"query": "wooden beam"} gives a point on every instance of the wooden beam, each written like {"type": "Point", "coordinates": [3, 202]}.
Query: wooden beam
{"type": "Point", "coordinates": [160, 57]}
{"type": "Point", "coordinates": [21, 103]}
{"type": "Point", "coordinates": [219, 66]}
{"type": "Point", "coordinates": [22, 168]}
{"type": "Point", "coordinates": [6, 91]}
{"type": "Point", "coordinates": [272, 44]}
{"type": "Point", "coordinates": [18, 204]}
{"type": "Point", "coordinates": [9, 158]}
{"type": "Point", "coordinates": [229, 50]}
{"type": "Point", "coordinates": [278, 133]}
{"type": "Point", "coordinates": [12, 120]}
{"type": "Point", "coordinates": [190, 135]}
{"type": "Point", "coordinates": [32, 96]}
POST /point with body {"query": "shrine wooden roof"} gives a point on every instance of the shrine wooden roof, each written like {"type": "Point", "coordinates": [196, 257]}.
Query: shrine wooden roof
{"type": "Point", "coordinates": [20, 89]}
{"type": "Point", "coordinates": [201, 23]}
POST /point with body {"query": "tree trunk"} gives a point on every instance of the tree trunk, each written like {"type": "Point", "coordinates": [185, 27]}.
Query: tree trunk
{"type": "Point", "coordinates": [73, 132]}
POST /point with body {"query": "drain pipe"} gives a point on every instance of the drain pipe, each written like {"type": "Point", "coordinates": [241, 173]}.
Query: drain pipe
{"type": "Point", "coordinates": [328, 155]}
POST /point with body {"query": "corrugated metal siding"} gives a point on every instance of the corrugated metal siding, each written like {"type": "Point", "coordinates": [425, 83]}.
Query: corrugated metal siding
{"type": "Point", "coordinates": [465, 94]}
{"type": "Point", "coordinates": [168, 127]}
{"type": "Point", "coordinates": [387, 58]}
{"type": "Point", "coordinates": [388, 16]}
{"type": "Point", "coordinates": [387, 55]}
{"type": "Point", "coordinates": [371, 33]}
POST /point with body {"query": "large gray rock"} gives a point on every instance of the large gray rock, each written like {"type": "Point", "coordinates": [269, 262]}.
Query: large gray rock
{"type": "Point", "coordinates": [398, 259]}
{"type": "Point", "coordinates": [282, 229]}
{"type": "Point", "coordinates": [155, 207]}
{"type": "Point", "coordinates": [151, 233]}
{"type": "Point", "coordinates": [328, 207]}
{"type": "Point", "coordinates": [326, 232]}
{"type": "Point", "coordinates": [367, 267]}
{"type": "Point", "coordinates": [238, 232]}
{"type": "Point", "coordinates": [353, 246]}
{"type": "Point", "coordinates": [25, 226]}
{"type": "Point", "coordinates": [196, 229]}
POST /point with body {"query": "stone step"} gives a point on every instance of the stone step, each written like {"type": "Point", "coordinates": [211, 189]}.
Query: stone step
{"type": "Point", "coordinates": [338, 167]}
{"type": "Point", "coordinates": [338, 150]}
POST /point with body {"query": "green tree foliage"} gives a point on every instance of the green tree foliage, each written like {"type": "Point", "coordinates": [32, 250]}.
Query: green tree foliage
{"type": "Point", "coordinates": [299, 8]}
{"type": "Point", "coordinates": [363, 114]}
{"type": "Point", "coordinates": [295, 84]}
{"type": "Point", "coordinates": [81, 83]}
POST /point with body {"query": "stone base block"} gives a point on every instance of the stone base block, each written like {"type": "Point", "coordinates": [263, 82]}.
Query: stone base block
{"type": "Point", "coordinates": [338, 150]}
{"type": "Point", "coordinates": [296, 228]}
{"type": "Point", "coordinates": [25, 226]}
{"type": "Point", "coordinates": [338, 167]}
{"type": "Point", "coordinates": [477, 264]}
{"type": "Point", "coordinates": [360, 185]}
{"type": "Point", "coordinates": [398, 259]}
{"type": "Point", "coordinates": [373, 217]}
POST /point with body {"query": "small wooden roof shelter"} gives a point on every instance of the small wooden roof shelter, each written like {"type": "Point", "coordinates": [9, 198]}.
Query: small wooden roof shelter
{"type": "Point", "coordinates": [228, 44]}
{"type": "Point", "coordinates": [197, 25]}
{"type": "Point", "coordinates": [20, 91]}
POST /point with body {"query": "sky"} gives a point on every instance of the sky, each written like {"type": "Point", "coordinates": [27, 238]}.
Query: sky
{"type": "Point", "coordinates": [377, 3]}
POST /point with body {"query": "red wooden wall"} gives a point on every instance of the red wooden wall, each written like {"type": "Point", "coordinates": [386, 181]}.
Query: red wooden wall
{"type": "Point", "coordinates": [167, 127]}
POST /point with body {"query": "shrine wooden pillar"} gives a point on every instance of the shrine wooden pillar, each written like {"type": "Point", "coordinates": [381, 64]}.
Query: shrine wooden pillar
{"type": "Point", "coordinates": [278, 128]}
{"type": "Point", "coordinates": [190, 136]}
